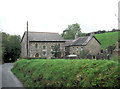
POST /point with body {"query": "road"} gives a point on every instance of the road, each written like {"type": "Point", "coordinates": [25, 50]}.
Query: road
{"type": "Point", "coordinates": [0, 75]}
{"type": "Point", "coordinates": [8, 78]}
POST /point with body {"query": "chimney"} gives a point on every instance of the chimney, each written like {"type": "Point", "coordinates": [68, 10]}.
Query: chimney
{"type": "Point", "coordinates": [76, 35]}
{"type": "Point", "coordinates": [92, 34]}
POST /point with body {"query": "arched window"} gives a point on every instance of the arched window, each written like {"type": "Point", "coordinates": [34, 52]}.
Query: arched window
{"type": "Point", "coordinates": [36, 45]}
{"type": "Point", "coordinates": [44, 47]}
{"type": "Point", "coordinates": [52, 48]}
{"type": "Point", "coordinates": [44, 53]}
{"type": "Point", "coordinates": [36, 55]}
{"type": "Point", "coordinates": [59, 45]}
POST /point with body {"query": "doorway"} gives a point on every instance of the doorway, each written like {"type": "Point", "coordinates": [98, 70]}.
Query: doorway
{"type": "Point", "coordinates": [36, 55]}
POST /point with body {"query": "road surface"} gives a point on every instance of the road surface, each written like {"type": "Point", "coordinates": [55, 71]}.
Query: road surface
{"type": "Point", "coordinates": [8, 79]}
{"type": "Point", "coordinates": [0, 75]}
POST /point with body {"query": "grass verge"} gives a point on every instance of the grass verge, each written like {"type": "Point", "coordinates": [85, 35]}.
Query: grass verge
{"type": "Point", "coordinates": [67, 73]}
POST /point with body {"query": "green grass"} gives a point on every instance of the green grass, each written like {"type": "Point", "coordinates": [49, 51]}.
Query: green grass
{"type": "Point", "coordinates": [67, 73]}
{"type": "Point", "coordinates": [107, 39]}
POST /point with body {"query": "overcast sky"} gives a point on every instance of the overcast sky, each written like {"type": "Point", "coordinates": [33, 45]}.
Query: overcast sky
{"type": "Point", "coordinates": [56, 15]}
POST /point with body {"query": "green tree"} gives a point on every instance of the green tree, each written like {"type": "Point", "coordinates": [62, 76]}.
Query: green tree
{"type": "Point", "coordinates": [56, 51]}
{"type": "Point", "coordinates": [14, 47]}
{"type": "Point", "coordinates": [10, 47]}
{"type": "Point", "coordinates": [4, 46]}
{"type": "Point", "coordinates": [70, 32]}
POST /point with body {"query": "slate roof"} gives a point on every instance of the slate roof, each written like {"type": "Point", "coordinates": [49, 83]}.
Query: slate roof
{"type": "Point", "coordinates": [81, 41]}
{"type": "Point", "coordinates": [44, 36]}
{"type": "Point", "coordinates": [68, 42]}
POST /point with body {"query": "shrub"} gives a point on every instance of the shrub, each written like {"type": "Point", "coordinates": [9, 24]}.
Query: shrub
{"type": "Point", "coordinates": [83, 54]}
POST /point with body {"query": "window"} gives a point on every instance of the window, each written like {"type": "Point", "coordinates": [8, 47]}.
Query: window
{"type": "Point", "coordinates": [44, 47]}
{"type": "Point", "coordinates": [36, 45]}
{"type": "Point", "coordinates": [81, 48]}
{"type": "Point", "coordinates": [101, 50]}
{"type": "Point", "coordinates": [44, 53]}
{"type": "Point", "coordinates": [59, 45]}
{"type": "Point", "coordinates": [73, 49]}
{"type": "Point", "coordinates": [77, 49]}
{"type": "Point", "coordinates": [52, 53]}
{"type": "Point", "coordinates": [52, 48]}
{"type": "Point", "coordinates": [65, 48]}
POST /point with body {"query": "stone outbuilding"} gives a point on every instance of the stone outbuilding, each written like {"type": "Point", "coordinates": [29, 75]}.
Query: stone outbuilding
{"type": "Point", "coordinates": [88, 43]}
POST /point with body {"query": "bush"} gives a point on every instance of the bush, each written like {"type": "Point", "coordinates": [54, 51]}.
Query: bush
{"type": "Point", "coordinates": [115, 58]}
{"type": "Point", "coordinates": [83, 54]}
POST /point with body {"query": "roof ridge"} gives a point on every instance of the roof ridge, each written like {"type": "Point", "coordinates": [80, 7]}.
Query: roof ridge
{"type": "Point", "coordinates": [77, 39]}
{"type": "Point", "coordinates": [41, 32]}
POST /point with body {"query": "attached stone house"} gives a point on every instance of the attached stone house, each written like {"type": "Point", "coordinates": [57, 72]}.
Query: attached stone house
{"type": "Point", "coordinates": [88, 43]}
{"type": "Point", "coordinates": [40, 44]}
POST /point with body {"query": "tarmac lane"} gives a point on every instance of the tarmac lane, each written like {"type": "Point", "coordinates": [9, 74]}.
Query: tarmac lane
{"type": "Point", "coordinates": [0, 75]}
{"type": "Point", "coordinates": [9, 80]}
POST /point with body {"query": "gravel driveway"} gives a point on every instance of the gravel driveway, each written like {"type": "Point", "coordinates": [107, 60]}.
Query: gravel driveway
{"type": "Point", "coordinates": [8, 79]}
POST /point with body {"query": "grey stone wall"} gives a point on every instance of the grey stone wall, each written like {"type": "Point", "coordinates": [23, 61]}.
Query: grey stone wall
{"type": "Point", "coordinates": [93, 47]}
{"type": "Point", "coordinates": [24, 47]}
{"type": "Point", "coordinates": [33, 50]}
{"type": "Point", "coordinates": [75, 49]}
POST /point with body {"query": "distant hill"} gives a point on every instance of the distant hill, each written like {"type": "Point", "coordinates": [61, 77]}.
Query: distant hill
{"type": "Point", "coordinates": [107, 39]}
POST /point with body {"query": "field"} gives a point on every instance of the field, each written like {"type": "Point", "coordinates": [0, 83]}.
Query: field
{"type": "Point", "coordinates": [107, 39]}
{"type": "Point", "coordinates": [67, 73]}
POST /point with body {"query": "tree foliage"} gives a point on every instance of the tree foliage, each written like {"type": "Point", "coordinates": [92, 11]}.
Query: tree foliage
{"type": "Point", "coordinates": [56, 51]}
{"type": "Point", "coordinates": [10, 47]}
{"type": "Point", "coordinates": [69, 33]}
